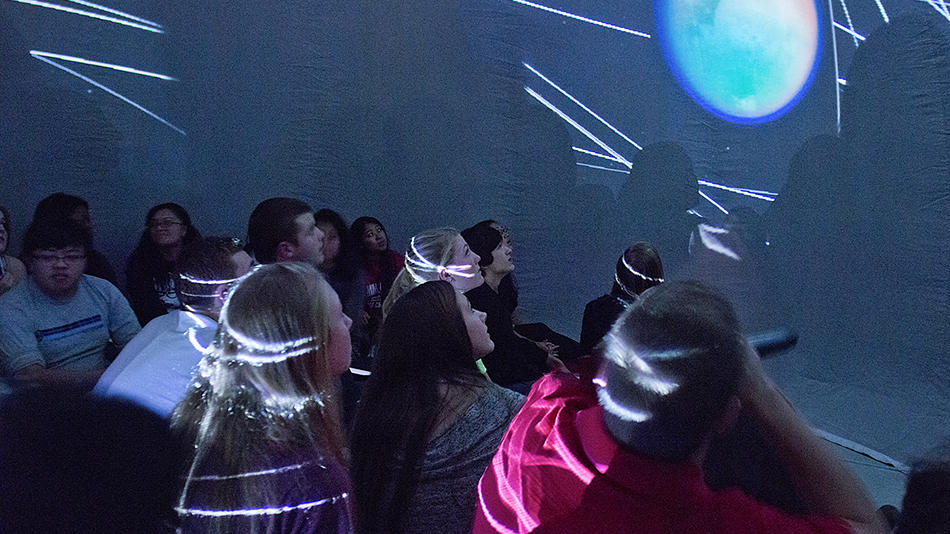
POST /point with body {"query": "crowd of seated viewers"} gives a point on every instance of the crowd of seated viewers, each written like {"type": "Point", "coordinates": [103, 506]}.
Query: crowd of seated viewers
{"type": "Point", "coordinates": [315, 380]}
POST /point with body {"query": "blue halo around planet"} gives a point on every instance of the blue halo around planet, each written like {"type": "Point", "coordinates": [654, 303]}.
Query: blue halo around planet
{"type": "Point", "coordinates": [745, 61]}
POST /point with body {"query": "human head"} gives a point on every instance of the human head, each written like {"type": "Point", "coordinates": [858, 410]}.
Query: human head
{"type": "Point", "coordinates": [368, 235]}
{"type": "Point", "coordinates": [638, 269]}
{"type": "Point", "coordinates": [62, 206]}
{"type": "Point", "coordinates": [425, 337]}
{"type": "Point", "coordinates": [438, 254]}
{"type": "Point", "coordinates": [120, 473]}
{"type": "Point", "coordinates": [4, 229]}
{"type": "Point", "coordinates": [672, 365]}
{"type": "Point", "coordinates": [284, 229]}
{"type": "Point", "coordinates": [334, 235]}
{"type": "Point", "coordinates": [926, 505]}
{"type": "Point", "coordinates": [56, 253]}
{"type": "Point", "coordinates": [169, 225]}
{"type": "Point", "coordinates": [205, 269]}
{"type": "Point", "coordinates": [483, 238]}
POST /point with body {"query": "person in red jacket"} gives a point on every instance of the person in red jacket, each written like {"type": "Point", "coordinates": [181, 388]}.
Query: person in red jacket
{"type": "Point", "coordinates": [620, 446]}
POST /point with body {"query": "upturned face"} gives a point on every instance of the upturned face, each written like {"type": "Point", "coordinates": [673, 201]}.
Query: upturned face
{"type": "Point", "coordinates": [331, 242]}
{"type": "Point", "coordinates": [166, 228]}
{"type": "Point", "coordinates": [466, 262]}
{"type": "Point", "coordinates": [482, 344]}
{"type": "Point", "coordinates": [374, 238]}
{"type": "Point", "coordinates": [309, 246]}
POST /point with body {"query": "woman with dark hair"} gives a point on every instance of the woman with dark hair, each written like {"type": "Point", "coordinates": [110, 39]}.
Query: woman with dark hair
{"type": "Point", "coordinates": [148, 275]}
{"type": "Point", "coordinates": [638, 269]}
{"type": "Point", "coordinates": [12, 270]}
{"type": "Point", "coordinates": [339, 267]}
{"type": "Point", "coordinates": [429, 422]}
{"type": "Point", "coordinates": [263, 414]}
{"type": "Point", "coordinates": [60, 206]}
{"type": "Point", "coordinates": [379, 264]}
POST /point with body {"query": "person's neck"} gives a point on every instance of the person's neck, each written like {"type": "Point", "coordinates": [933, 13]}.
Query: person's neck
{"type": "Point", "coordinates": [171, 253]}
{"type": "Point", "coordinates": [62, 296]}
{"type": "Point", "coordinates": [493, 280]}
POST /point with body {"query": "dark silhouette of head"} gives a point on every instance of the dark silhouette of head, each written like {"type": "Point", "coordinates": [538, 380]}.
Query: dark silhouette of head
{"type": "Point", "coordinates": [483, 239]}
{"type": "Point", "coordinates": [638, 269]}
{"type": "Point", "coordinates": [272, 222]}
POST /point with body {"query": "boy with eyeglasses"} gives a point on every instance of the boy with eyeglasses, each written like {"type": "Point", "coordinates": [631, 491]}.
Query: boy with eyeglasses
{"type": "Point", "coordinates": [55, 325]}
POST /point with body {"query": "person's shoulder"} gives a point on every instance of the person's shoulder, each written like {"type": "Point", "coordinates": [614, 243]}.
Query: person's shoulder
{"type": "Point", "coordinates": [100, 285]}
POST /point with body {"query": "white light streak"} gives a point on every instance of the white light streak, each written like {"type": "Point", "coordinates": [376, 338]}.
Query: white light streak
{"type": "Point", "coordinates": [638, 273]}
{"type": "Point", "coordinates": [583, 19]}
{"type": "Point", "coordinates": [942, 9]}
{"type": "Point", "coordinates": [834, 47]}
{"type": "Point", "coordinates": [116, 12]}
{"type": "Point", "coordinates": [110, 91]}
{"type": "Point", "coordinates": [418, 261]}
{"type": "Point", "coordinates": [73, 59]}
{"type": "Point", "coordinates": [598, 167]}
{"type": "Point", "coordinates": [285, 469]}
{"type": "Point", "coordinates": [585, 108]}
{"type": "Point", "coordinates": [360, 372]}
{"type": "Point", "coordinates": [849, 30]}
{"type": "Point", "coordinates": [842, 81]}
{"type": "Point", "coordinates": [850, 24]}
{"type": "Point", "coordinates": [624, 413]}
{"type": "Point", "coordinates": [580, 128]}
{"type": "Point", "coordinates": [147, 27]}
{"type": "Point", "coordinates": [740, 191]}
{"type": "Point", "coordinates": [194, 280]}
{"type": "Point", "coordinates": [251, 512]}
{"type": "Point", "coordinates": [711, 242]}
{"type": "Point", "coordinates": [883, 13]}
{"type": "Point", "coordinates": [714, 203]}
{"type": "Point", "coordinates": [597, 154]}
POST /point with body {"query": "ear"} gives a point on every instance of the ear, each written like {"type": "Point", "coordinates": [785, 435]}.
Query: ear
{"type": "Point", "coordinates": [285, 251]}
{"type": "Point", "coordinates": [445, 275]}
{"type": "Point", "coordinates": [729, 417]}
{"type": "Point", "coordinates": [220, 294]}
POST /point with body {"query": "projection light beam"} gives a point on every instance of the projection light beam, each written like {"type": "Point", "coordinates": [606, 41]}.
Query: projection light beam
{"type": "Point", "coordinates": [883, 13]}
{"type": "Point", "coordinates": [115, 12]}
{"type": "Point", "coordinates": [596, 154]}
{"type": "Point", "coordinates": [35, 53]}
{"type": "Point", "coordinates": [942, 8]}
{"type": "Point", "coordinates": [585, 108]}
{"type": "Point", "coordinates": [740, 191]}
{"type": "Point", "coordinates": [579, 128]}
{"type": "Point", "coordinates": [852, 32]}
{"type": "Point", "coordinates": [834, 47]}
{"type": "Point", "coordinates": [847, 16]}
{"type": "Point", "coordinates": [40, 57]}
{"type": "Point", "coordinates": [714, 203]}
{"type": "Point", "coordinates": [146, 27]}
{"type": "Point", "coordinates": [598, 167]}
{"type": "Point", "coordinates": [582, 19]}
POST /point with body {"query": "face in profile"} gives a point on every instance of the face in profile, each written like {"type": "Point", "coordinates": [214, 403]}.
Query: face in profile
{"type": "Point", "coordinates": [166, 229]}
{"type": "Point", "coordinates": [482, 345]}
{"type": "Point", "coordinates": [501, 260]}
{"type": "Point", "coordinates": [465, 261]}
{"type": "Point", "coordinates": [331, 242]}
{"type": "Point", "coordinates": [309, 246]}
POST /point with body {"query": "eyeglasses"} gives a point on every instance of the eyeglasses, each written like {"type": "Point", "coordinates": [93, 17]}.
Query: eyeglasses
{"type": "Point", "coordinates": [53, 258]}
{"type": "Point", "coordinates": [165, 223]}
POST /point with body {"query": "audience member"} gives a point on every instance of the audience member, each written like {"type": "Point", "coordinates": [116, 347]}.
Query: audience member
{"type": "Point", "coordinates": [74, 463]}
{"type": "Point", "coordinates": [149, 275]}
{"type": "Point", "coordinates": [12, 270]}
{"type": "Point", "coordinates": [675, 372]}
{"type": "Point", "coordinates": [55, 326]}
{"type": "Point", "coordinates": [155, 368]}
{"type": "Point", "coordinates": [438, 254]}
{"type": "Point", "coordinates": [284, 229]}
{"type": "Point", "coordinates": [59, 206]}
{"type": "Point", "coordinates": [639, 268]}
{"type": "Point", "coordinates": [429, 421]}
{"type": "Point", "coordinates": [926, 506]}
{"type": "Point", "coordinates": [516, 361]}
{"type": "Point", "coordinates": [262, 413]}
{"type": "Point", "coordinates": [378, 264]}
{"type": "Point", "coordinates": [340, 268]}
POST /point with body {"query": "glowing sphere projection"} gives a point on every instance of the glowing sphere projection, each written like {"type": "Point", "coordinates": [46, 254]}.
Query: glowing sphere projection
{"type": "Point", "coordinates": [746, 61]}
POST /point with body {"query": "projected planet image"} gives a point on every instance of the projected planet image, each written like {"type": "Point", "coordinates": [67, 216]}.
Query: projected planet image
{"type": "Point", "coordinates": [746, 61]}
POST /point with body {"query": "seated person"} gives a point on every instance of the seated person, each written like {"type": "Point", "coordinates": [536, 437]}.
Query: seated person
{"type": "Point", "coordinates": [516, 361]}
{"type": "Point", "coordinates": [926, 506]}
{"type": "Point", "coordinates": [623, 451]}
{"type": "Point", "coordinates": [638, 269]}
{"type": "Point", "coordinates": [55, 326]}
{"type": "Point", "coordinates": [12, 270]}
{"type": "Point", "coordinates": [59, 206]}
{"type": "Point", "coordinates": [155, 368]}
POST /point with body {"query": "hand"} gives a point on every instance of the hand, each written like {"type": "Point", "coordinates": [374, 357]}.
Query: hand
{"type": "Point", "coordinates": [547, 346]}
{"type": "Point", "coordinates": [556, 365]}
